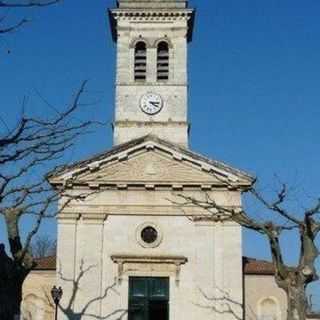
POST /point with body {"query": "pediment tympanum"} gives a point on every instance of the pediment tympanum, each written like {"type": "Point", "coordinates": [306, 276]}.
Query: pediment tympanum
{"type": "Point", "coordinates": [150, 161]}
{"type": "Point", "coordinates": [150, 167]}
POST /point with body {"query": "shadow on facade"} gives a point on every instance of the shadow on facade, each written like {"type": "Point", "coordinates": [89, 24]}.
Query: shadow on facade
{"type": "Point", "coordinates": [221, 303]}
{"type": "Point", "coordinates": [68, 310]}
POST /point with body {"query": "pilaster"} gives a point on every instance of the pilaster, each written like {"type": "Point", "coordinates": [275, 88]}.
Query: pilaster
{"type": "Point", "coordinates": [66, 258]}
{"type": "Point", "coordinates": [89, 264]}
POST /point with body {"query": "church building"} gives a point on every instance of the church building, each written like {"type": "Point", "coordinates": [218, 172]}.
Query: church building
{"type": "Point", "coordinates": [132, 249]}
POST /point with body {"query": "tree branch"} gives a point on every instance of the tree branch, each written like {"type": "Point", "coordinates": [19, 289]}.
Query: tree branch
{"type": "Point", "coordinates": [315, 210]}
{"type": "Point", "coordinates": [27, 4]}
{"type": "Point", "coordinates": [275, 206]}
{"type": "Point", "coordinates": [13, 27]}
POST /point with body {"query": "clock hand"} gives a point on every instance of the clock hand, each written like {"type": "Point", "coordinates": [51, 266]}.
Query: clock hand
{"type": "Point", "coordinates": [154, 103]}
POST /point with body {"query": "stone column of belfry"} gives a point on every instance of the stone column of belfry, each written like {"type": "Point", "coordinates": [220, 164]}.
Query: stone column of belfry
{"type": "Point", "coordinates": [152, 62]}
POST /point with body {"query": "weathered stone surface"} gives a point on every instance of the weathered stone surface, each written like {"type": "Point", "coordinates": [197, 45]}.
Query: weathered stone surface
{"type": "Point", "coordinates": [212, 250]}
{"type": "Point", "coordinates": [169, 21]}
{"type": "Point", "coordinates": [125, 4]}
{"type": "Point", "coordinates": [37, 303]}
{"type": "Point", "coordinates": [261, 294]}
{"type": "Point", "coordinates": [151, 167]}
{"type": "Point", "coordinates": [154, 160]}
{"type": "Point", "coordinates": [258, 288]}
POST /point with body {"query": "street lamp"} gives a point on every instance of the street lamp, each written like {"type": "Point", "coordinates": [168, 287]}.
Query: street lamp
{"type": "Point", "coordinates": [56, 294]}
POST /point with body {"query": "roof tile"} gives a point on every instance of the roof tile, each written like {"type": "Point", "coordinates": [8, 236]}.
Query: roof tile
{"type": "Point", "coordinates": [47, 263]}
{"type": "Point", "coordinates": [258, 267]}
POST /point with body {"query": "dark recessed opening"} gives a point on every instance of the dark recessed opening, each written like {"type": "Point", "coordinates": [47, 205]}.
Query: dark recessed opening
{"type": "Point", "coordinates": [149, 234]}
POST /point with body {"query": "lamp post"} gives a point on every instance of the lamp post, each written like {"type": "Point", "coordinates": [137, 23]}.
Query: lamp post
{"type": "Point", "coordinates": [56, 294]}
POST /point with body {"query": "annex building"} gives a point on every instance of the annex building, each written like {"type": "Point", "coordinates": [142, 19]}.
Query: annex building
{"type": "Point", "coordinates": [132, 250]}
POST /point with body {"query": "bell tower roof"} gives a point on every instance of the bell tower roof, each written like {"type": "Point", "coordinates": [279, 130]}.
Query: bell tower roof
{"type": "Point", "coordinates": [153, 4]}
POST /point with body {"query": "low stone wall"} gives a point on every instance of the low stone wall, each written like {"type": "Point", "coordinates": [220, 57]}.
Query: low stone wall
{"type": "Point", "coordinates": [37, 302]}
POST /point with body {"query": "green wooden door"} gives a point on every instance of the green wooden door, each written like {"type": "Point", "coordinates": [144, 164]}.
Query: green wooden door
{"type": "Point", "coordinates": [148, 298]}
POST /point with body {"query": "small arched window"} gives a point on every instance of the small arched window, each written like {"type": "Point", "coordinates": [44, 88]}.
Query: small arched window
{"type": "Point", "coordinates": [163, 61]}
{"type": "Point", "coordinates": [140, 61]}
{"type": "Point", "coordinates": [268, 309]}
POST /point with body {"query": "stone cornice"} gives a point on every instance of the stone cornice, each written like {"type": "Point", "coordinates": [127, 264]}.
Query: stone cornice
{"type": "Point", "coordinates": [176, 260]}
{"type": "Point", "coordinates": [69, 177]}
{"type": "Point", "coordinates": [68, 217]}
{"type": "Point", "coordinates": [150, 124]}
{"type": "Point", "coordinates": [143, 185]}
{"type": "Point", "coordinates": [102, 211]}
{"type": "Point", "coordinates": [94, 218]}
{"type": "Point", "coordinates": [127, 210]}
{"type": "Point", "coordinates": [122, 260]}
{"type": "Point", "coordinates": [159, 4]}
{"type": "Point", "coordinates": [151, 15]}
{"type": "Point", "coordinates": [150, 84]}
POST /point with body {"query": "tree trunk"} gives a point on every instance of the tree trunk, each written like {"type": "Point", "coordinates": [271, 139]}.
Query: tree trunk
{"type": "Point", "coordinates": [10, 300]}
{"type": "Point", "coordinates": [12, 277]}
{"type": "Point", "coordinates": [297, 304]}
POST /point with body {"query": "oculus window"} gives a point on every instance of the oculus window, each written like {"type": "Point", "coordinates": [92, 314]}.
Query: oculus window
{"type": "Point", "coordinates": [149, 234]}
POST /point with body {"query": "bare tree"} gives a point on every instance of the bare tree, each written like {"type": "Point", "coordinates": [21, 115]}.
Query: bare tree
{"type": "Point", "coordinates": [292, 279]}
{"type": "Point", "coordinates": [6, 27]}
{"type": "Point", "coordinates": [43, 246]}
{"type": "Point", "coordinates": [27, 152]}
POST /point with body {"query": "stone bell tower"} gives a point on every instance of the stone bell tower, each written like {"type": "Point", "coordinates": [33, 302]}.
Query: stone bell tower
{"type": "Point", "coordinates": [151, 82]}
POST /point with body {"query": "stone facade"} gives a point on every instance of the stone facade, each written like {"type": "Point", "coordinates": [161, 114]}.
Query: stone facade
{"type": "Point", "coordinates": [99, 244]}
{"type": "Point", "coordinates": [259, 288]}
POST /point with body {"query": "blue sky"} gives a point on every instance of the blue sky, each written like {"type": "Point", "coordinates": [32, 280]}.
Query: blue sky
{"type": "Point", "coordinates": [254, 85]}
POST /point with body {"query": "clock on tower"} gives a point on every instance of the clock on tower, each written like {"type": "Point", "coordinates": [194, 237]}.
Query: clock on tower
{"type": "Point", "coordinates": [151, 81]}
{"type": "Point", "coordinates": [151, 103]}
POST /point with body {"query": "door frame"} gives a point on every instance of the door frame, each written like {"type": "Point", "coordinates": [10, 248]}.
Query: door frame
{"type": "Point", "coordinates": [144, 301]}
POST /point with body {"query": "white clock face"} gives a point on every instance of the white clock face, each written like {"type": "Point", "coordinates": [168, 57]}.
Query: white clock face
{"type": "Point", "coordinates": [151, 103]}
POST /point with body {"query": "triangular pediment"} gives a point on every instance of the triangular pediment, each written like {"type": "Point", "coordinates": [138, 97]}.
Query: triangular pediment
{"type": "Point", "coordinates": [150, 161]}
{"type": "Point", "coordinates": [149, 167]}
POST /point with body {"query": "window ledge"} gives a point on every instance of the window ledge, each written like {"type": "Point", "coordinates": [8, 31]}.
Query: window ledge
{"type": "Point", "coordinates": [125, 263]}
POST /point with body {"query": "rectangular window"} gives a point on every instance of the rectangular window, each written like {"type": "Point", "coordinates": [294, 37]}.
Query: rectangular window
{"type": "Point", "coordinates": [148, 298]}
